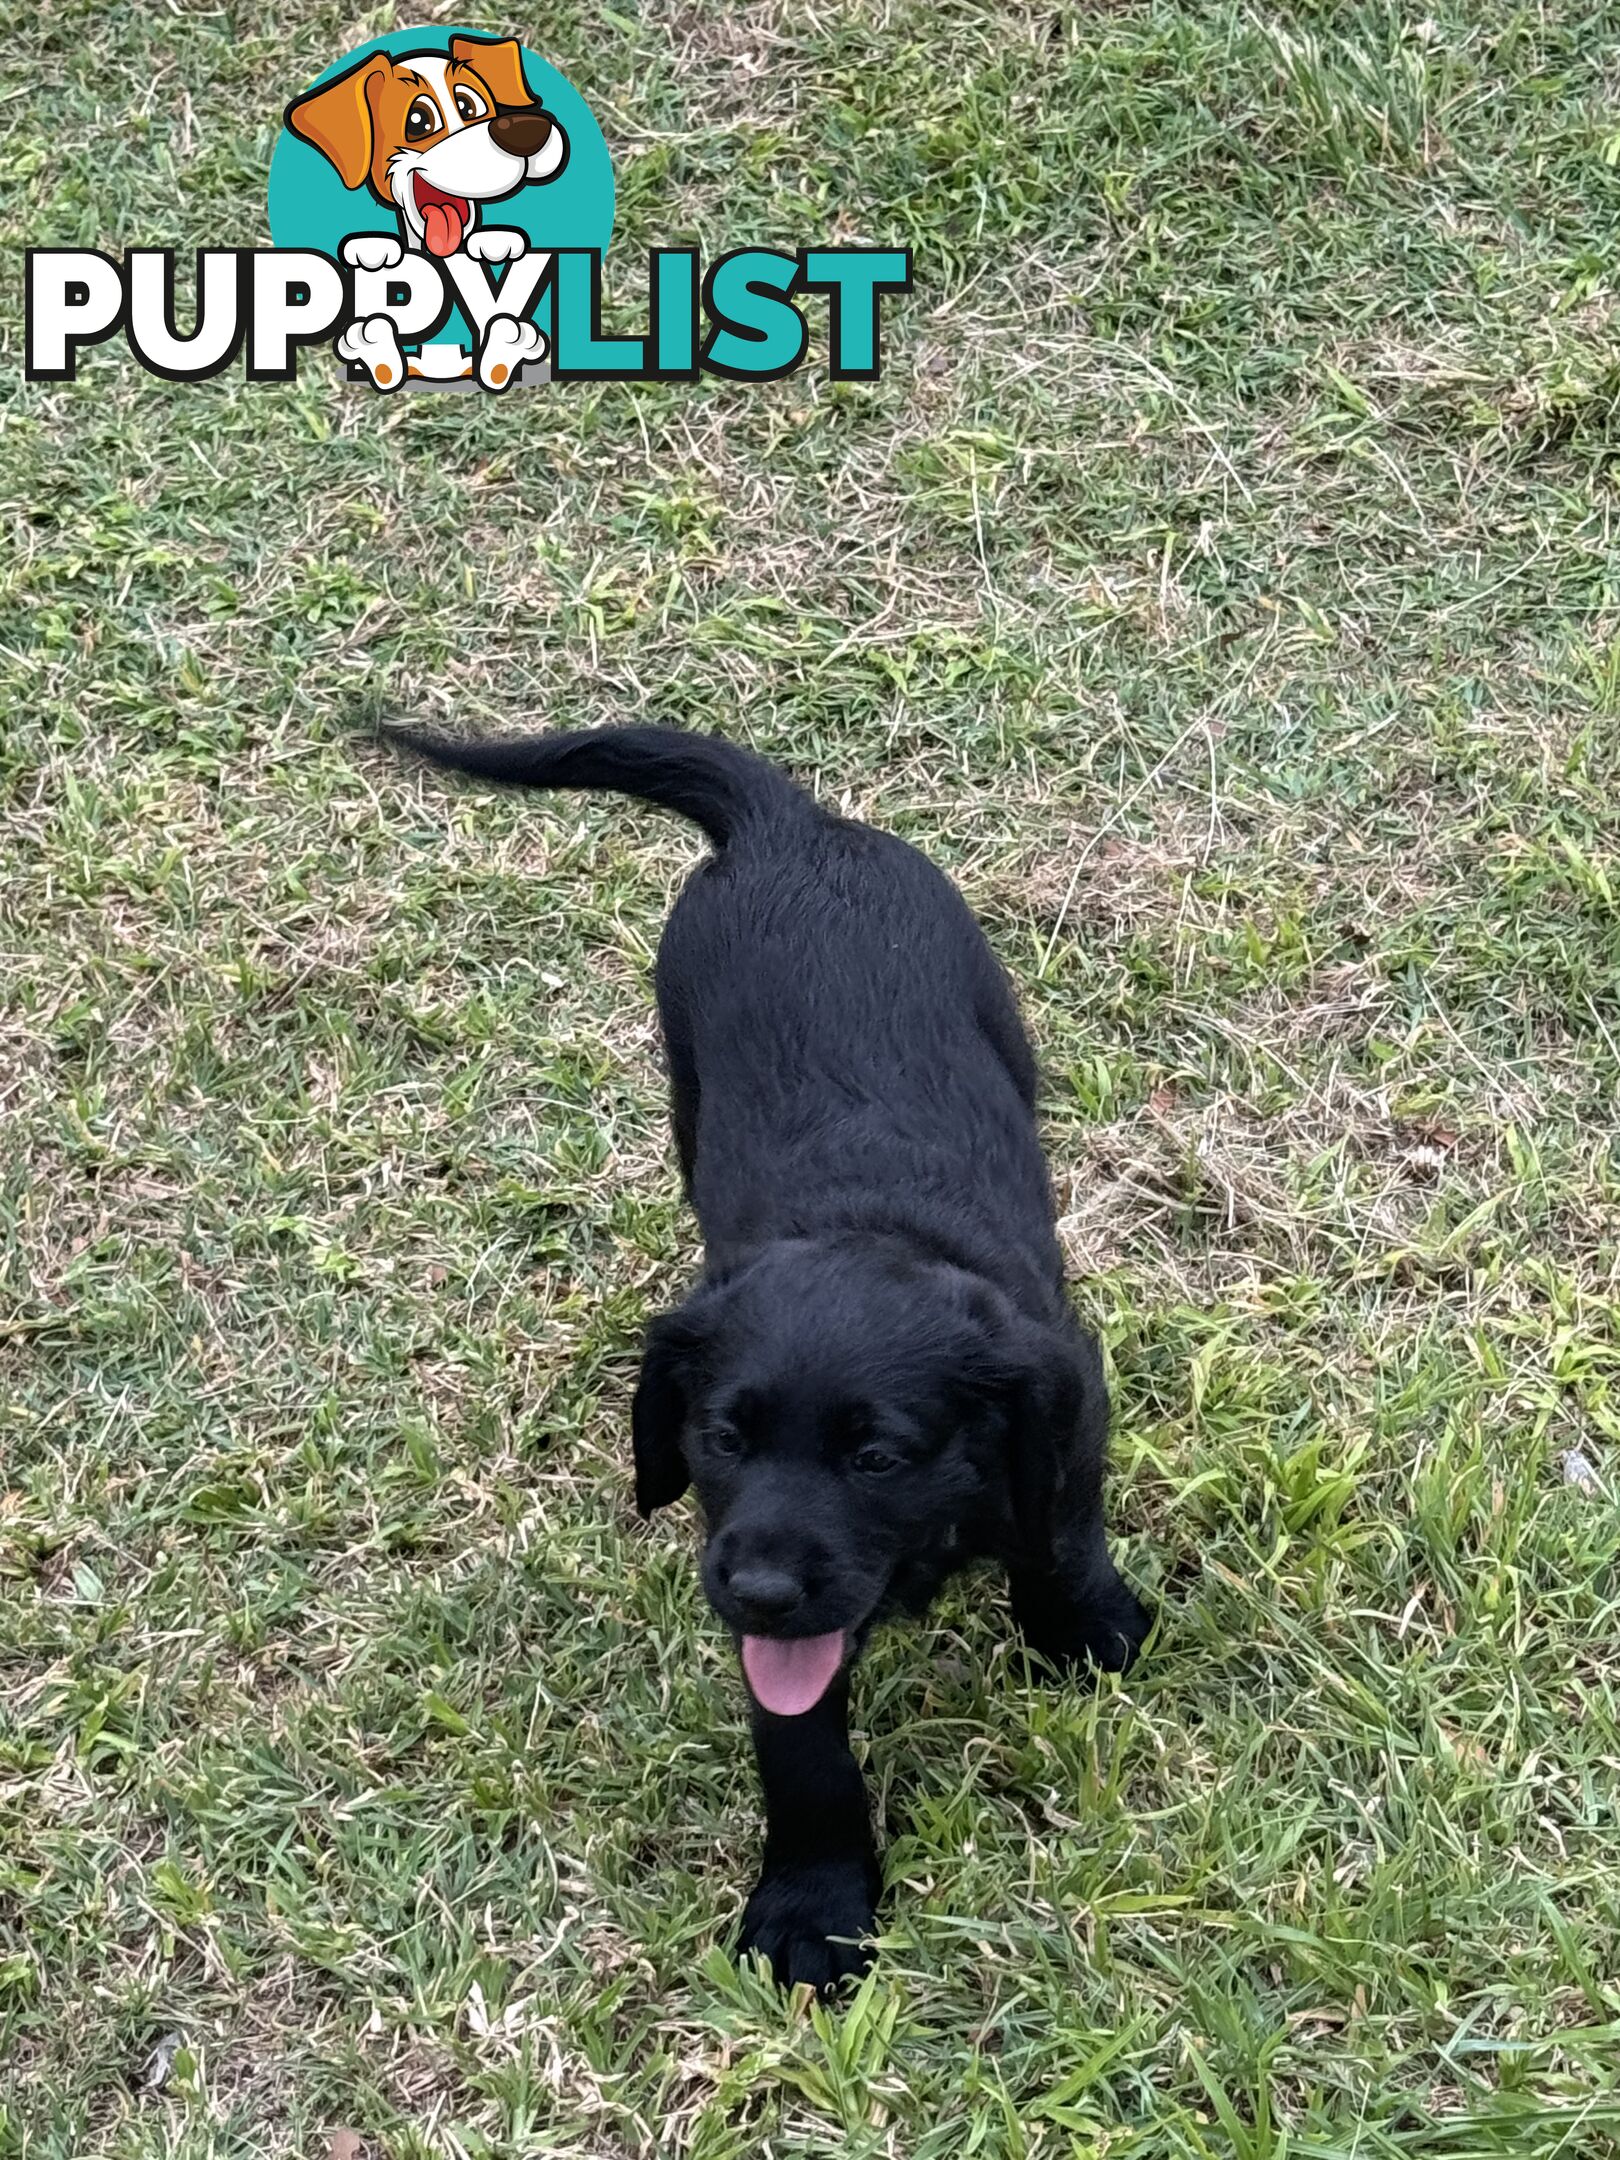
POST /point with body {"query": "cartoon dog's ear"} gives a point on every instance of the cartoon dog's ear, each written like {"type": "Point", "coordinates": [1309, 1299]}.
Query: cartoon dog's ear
{"type": "Point", "coordinates": [665, 1394]}
{"type": "Point", "coordinates": [337, 119]}
{"type": "Point", "coordinates": [500, 62]}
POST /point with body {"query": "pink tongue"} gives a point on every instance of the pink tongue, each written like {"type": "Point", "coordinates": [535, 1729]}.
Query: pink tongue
{"type": "Point", "coordinates": [443, 223]}
{"type": "Point", "coordinates": [791, 1677]}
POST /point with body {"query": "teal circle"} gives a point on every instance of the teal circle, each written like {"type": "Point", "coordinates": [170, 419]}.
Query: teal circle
{"type": "Point", "coordinates": [311, 208]}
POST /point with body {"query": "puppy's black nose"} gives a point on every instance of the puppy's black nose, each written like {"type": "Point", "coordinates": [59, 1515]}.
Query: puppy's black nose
{"type": "Point", "coordinates": [523, 132]}
{"type": "Point", "coordinates": [764, 1593]}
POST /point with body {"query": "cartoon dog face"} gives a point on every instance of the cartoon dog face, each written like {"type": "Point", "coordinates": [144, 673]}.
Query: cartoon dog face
{"type": "Point", "coordinates": [433, 135]}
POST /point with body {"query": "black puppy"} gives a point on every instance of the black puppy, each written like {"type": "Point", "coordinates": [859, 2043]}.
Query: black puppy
{"type": "Point", "coordinates": [879, 1377]}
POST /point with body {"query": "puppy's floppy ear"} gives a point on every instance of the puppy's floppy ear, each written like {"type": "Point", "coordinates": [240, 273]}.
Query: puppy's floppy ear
{"type": "Point", "coordinates": [500, 62]}
{"type": "Point", "coordinates": [337, 119]}
{"type": "Point", "coordinates": [1047, 1382]}
{"type": "Point", "coordinates": [665, 1393]}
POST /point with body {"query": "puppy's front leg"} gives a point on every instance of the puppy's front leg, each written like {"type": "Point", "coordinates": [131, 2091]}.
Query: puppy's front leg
{"type": "Point", "coordinates": [820, 1879]}
{"type": "Point", "coordinates": [1068, 1597]}
{"type": "Point", "coordinates": [1073, 1607]}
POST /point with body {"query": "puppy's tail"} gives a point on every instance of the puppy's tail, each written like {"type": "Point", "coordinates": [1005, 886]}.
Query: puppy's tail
{"type": "Point", "coordinates": [702, 777]}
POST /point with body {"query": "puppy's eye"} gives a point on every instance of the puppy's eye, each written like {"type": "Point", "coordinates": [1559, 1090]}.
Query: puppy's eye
{"type": "Point", "coordinates": [422, 119]}
{"type": "Point", "coordinates": [724, 1440]}
{"type": "Point", "coordinates": [873, 1461]}
{"type": "Point", "coordinates": [470, 105]}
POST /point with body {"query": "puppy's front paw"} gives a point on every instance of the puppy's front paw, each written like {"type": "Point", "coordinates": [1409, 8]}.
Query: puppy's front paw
{"type": "Point", "coordinates": [1103, 1630]}
{"type": "Point", "coordinates": [809, 1921]}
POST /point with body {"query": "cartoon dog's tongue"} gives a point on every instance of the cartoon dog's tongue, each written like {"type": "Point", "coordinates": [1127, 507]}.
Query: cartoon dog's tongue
{"type": "Point", "coordinates": [791, 1677]}
{"type": "Point", "coordinates": [444, 217]}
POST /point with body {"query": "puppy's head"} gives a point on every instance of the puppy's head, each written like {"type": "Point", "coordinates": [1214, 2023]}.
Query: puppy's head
{"type": "Point", "coordinates": [434, 134]}
{"type": "Point", "coordinates": [841, 1411]}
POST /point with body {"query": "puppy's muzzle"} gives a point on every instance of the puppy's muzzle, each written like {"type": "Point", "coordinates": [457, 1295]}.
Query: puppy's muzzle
{"type": "Point", "coordinates": [764, 1596]}
{"type": "Point", "coordinates": [523, 133]}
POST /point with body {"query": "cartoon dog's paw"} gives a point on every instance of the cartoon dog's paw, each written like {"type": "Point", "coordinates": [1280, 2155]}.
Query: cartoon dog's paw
{"type": "Point", "coordinates": [372, 251]}
{"type": "Point", "coordinates": [496, 243]}
{"type": "Point", "coordinates": [507, 345]}
{"type": "Point", "coordinates": [372, 343]}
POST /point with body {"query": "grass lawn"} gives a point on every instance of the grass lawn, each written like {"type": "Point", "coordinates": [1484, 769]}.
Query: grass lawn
{"type": "Point", "coordinates": [1222, 583]}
